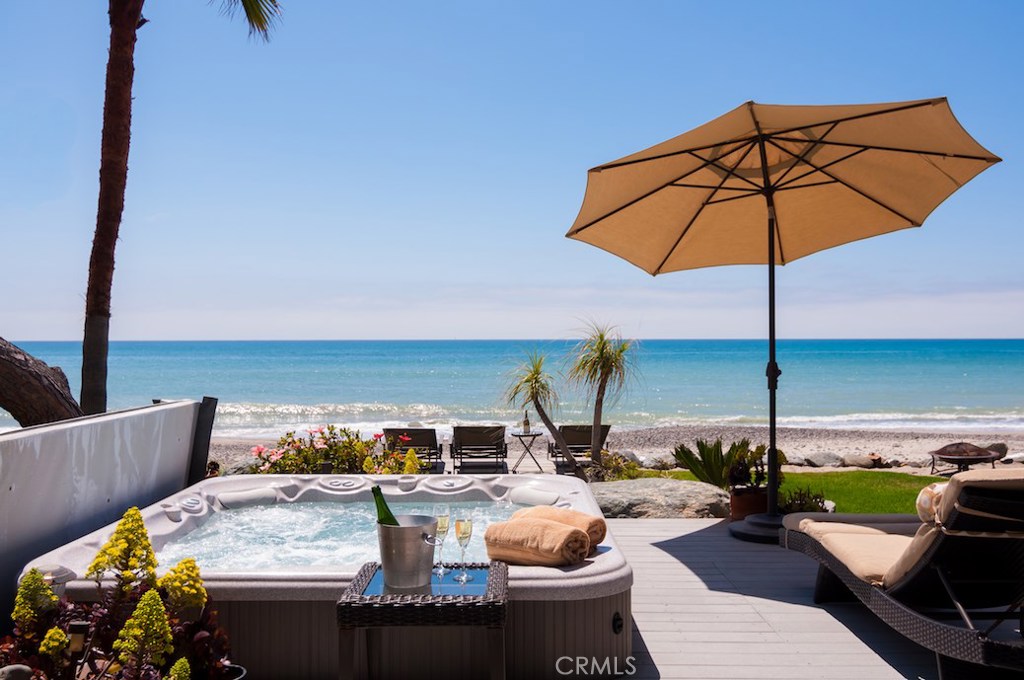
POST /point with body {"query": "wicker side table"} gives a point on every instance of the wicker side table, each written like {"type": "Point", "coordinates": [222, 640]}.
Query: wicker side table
{"type": "Point", "coordinates": [367, 603]}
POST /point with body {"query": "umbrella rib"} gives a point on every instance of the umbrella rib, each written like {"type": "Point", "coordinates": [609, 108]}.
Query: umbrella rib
{"type": "Point", "coordinates": [779, 133]}
{"type": "Point", "coordinates": [846, 119]}
{"type": "Point", "coordinates": [704, 163]}
{"type": "Point", "coordinates": [739, 142]}
{"type": "Point", "coordinates": [782, 185]}
{"type": "Point", "coordinates": [697, 213]}
{"type": "Point", "coordinates": [863, 193]}
{"type": "Point", "coordinates": [894, 149]}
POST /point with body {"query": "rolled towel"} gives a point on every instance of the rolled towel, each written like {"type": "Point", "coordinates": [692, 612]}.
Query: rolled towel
{"type": "Point", "coordinates": [594, 526]}
{"type": "Point", "coordinates": [531, 541]}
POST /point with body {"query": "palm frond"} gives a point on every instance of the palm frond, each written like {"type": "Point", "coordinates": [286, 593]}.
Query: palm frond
{"type": "Point", "coordinates": [259, 14]}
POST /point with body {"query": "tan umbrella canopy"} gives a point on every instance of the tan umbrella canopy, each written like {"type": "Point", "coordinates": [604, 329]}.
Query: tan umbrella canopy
{"type": "Point", "coordinates": [768, 184]}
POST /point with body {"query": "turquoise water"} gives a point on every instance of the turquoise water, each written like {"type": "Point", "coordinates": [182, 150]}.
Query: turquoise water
{"type": "Point", "coordinates": [317, 534]}
{"type": "Point", "coordinates": [266, 388]}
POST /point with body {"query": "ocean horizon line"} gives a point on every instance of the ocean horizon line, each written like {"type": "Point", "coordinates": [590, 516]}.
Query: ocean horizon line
{"type": "Point", "coordinates": [563, 339]}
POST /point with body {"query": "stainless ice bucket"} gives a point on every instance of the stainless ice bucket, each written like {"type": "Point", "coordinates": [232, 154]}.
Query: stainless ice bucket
{"type": "Point", "coordinates": [407, 551]}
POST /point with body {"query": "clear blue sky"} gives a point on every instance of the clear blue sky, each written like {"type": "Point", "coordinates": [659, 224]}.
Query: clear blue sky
{"type": "Point", "coordinates": [409, 169]}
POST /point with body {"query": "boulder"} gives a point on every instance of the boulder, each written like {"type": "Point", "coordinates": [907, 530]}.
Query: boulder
{"type": "Point", "coordinates": [866, 461]}
{"type": "Point", "coordinates": [822, 459]}
{"type": "Point", "coordinates": [998, 448]}
{"type": "Point", "coordinates": [795, 459]}
{"type": "Point", "coordinates": [660, 497]}
{"type": "Point", "coordinates": [630, 456]}
{"type": "Point", "coordinates": [656, 461]}
{"type": "Point", "coordinates": [914, 460]}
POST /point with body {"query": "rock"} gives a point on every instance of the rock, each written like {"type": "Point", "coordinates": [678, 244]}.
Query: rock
{"type": "Point", "coordinates": [822, 459]}
{"type": "Point", "coordinates": [656, 461]}
{"type": "Point", "coordinates": [795, 459]}
{"type": "Point", "coordinates": [866, 461]}
{"type": "Point", "coordinates": [660, 497]}
{"type": "Point", "coordinates": [914, 460]}
{"type": "Point", "coordinates": [998, 448]}
{"type": "Point", "coordinates": [16, 672]}
{"type": "Point", "coordinates": [630, 456]}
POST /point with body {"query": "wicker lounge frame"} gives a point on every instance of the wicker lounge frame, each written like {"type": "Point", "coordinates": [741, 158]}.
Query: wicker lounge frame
{"type": "Point", "coordinates": [966, 583]}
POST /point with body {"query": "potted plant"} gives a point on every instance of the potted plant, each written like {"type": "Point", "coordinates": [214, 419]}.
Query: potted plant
{"type": "Point", "coordinates": [739, 470]}
{"type": "Point", "coordinates": [141, 627]}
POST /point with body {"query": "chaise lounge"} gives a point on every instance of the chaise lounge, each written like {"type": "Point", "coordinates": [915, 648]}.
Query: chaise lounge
{"type": "Point", "coordinates": [423, 439]}
{"type": "Point", "coordinates": [478, 448]}
{"type": "Point", "coordinates": [577, 438]}
{"type": "Point", "coordinates": [953, 583]}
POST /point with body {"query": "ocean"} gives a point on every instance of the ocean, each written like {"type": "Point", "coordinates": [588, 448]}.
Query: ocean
{"type": "Point", "coordinates": [267, 388]}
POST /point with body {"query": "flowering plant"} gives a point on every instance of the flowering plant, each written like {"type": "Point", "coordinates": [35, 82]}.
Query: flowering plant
{"type": "Point", "coordinates": [141, 629]}
{"type": "Point", "coordinates": [330, 449]}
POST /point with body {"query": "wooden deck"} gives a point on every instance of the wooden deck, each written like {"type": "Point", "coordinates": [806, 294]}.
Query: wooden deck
{"type": "Point", "coordinates": [706, 605]}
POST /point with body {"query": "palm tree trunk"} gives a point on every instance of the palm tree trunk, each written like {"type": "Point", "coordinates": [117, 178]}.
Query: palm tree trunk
{"type": "Point", "coordinates": [560, 441]}
{"type": "Point", "coordinates": [595, 436]}
{"type": "Point", "coordinates": [117, 120]}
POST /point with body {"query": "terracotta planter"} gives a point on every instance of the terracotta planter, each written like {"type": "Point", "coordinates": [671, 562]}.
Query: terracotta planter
{"type": "Point", "coordinates": [745, 501]}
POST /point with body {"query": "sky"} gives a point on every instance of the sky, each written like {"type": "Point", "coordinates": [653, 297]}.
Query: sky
{"type": "Point", "coordinates": [409, 169]}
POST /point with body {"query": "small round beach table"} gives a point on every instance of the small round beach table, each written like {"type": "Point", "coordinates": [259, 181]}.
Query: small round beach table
{"type": "Point", "coordinates": [526, 439]}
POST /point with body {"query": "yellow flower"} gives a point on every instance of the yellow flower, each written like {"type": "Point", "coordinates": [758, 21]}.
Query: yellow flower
{"type": "Point", "coordinates": [54, 643]}
{"type": "Point", "coordinates": [184, 586]}
{"type": "Point", "coordinates": [146, 636]}
{"type": "Point", "coordinates": [412, 463]}
{"type": "Point", "coordinates": [180, 670]}
{"type": "Point", "coordinates": [34, 597]}
{"type": "Point", "coordinates": [127, 553]}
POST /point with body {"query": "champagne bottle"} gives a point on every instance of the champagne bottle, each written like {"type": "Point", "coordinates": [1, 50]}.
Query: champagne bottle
{"type": "Point", "coordinates": [526, 422]}
{"type": "Point", "coordinates": [384, 515]}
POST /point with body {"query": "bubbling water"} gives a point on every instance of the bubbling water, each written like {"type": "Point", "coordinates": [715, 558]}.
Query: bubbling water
{"type": "Point", "coordinates": [314, 534]}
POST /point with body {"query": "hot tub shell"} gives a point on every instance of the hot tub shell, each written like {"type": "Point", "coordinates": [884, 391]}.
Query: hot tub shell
{"type": "Point", "coordinates": [282, 624]}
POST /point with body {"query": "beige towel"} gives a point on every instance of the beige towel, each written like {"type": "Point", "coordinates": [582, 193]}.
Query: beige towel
{"type": "Point", "coordinates": [532, 541]}
{"type": "Point", "coordinates": [594, 526]}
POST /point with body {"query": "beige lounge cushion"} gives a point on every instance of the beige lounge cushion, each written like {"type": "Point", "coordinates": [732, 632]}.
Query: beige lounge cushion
{"type": "Point", "coordinates": [798, 520]}
{"type": "Point", "coordinates": [817, 530]}
{"type": "Point", "coordinates": [926, 535]}
{"type": "Point", "coordinates": [867, 556]}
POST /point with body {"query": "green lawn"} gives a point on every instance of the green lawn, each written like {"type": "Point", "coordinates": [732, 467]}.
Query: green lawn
{"type": "Point", "coordinates": [852, 491]}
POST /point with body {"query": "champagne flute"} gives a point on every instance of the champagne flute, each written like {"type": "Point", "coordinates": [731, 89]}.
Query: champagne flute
{"type": "Point", "coordinates": [440, 535]}
{"type": "Point", "coordinates": [463, 532]}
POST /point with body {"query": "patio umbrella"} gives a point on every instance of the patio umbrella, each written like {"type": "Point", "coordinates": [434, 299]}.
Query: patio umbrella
{"type": "Point", "coordinates": [768, 184]}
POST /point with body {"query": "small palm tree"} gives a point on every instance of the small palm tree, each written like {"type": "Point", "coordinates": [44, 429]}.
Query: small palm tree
{"type": "Point", "coordinates": [602, 364]}
{"type": "Point", "coordinates": [532, 385]}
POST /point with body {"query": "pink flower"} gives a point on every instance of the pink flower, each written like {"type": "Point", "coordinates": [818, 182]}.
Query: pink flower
{"type": "Point", "coordinates": [403, 438]}
{"type": "Point", "coordinates": [378, 436]}
{"type": "Point", "coordinates": [257, 450]}
{"type": "Point", "coordinates": [319, 444]}
{"type": "Point", "coordinates": [276, 455]}
{"type": "Point", "coordinates": [264, 467]}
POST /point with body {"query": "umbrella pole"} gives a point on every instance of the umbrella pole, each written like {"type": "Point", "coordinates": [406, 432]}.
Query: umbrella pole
{"type": "Point", "coordinates": [772, 371]}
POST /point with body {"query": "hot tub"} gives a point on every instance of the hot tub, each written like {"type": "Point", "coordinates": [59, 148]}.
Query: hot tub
{"type": "Point", "coordinates": [281, 621]}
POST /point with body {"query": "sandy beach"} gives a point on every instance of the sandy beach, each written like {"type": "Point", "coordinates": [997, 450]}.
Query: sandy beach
{"type": "Point", "coordinates": [801, 442]}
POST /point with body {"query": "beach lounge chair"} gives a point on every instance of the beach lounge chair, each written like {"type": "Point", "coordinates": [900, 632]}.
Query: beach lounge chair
{"type": "Point", "coordinates": [577, 438]}
{"type": "Point", "coordinates": [953, 584]}
{"type": "Point", "coordinates": [479, 449]}
{"type": "Point", "coordinates": [423, 439]}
